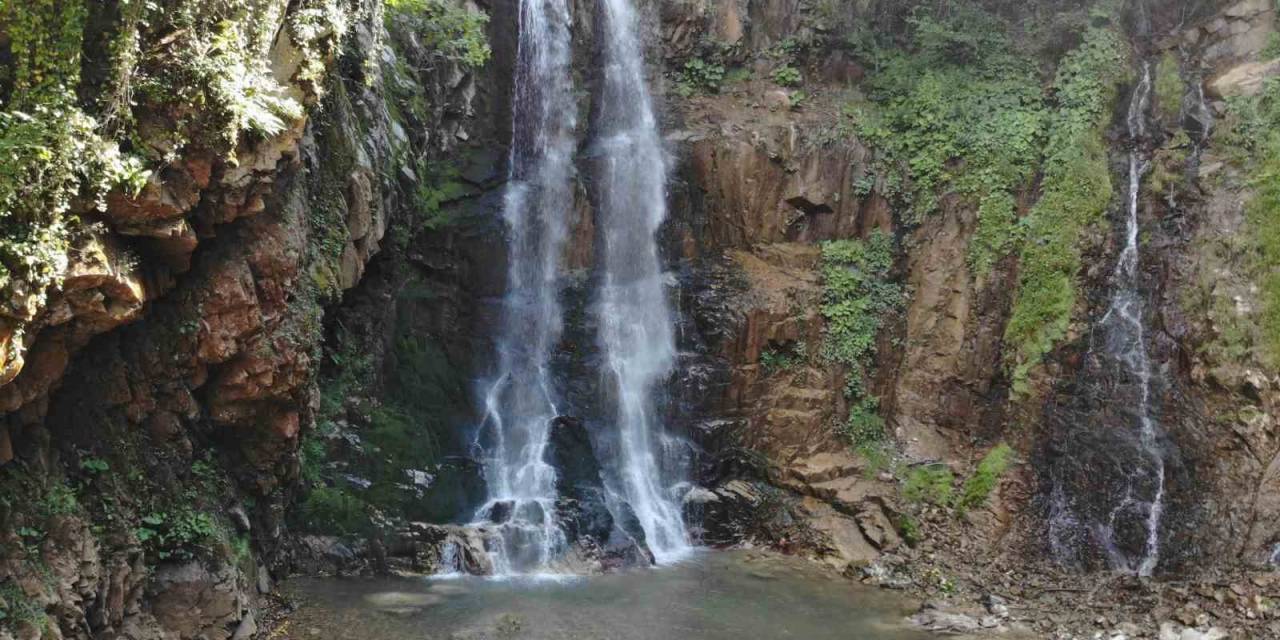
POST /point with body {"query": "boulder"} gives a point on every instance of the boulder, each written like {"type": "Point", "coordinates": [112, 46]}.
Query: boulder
{"type": "Point", "coordinates": [195, 601]}
{"type": "Point", "coordinates": [1244, 79]}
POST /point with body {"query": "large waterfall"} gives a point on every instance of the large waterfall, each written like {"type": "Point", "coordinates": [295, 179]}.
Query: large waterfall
{"type": "Point", "coordinates": [520, 405]}
{"type": "Point", "coordinates": [636, 327]}
{"type": "Point", "coordinates": [1114, 501]}
{"type": "Point", "coordinates": [522, 516]}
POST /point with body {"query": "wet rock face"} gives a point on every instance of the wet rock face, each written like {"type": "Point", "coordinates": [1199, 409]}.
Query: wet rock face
{"type": "Point", "coordinates": [603, 531]}
{"type": "Point", "coordinates": [582, 505]}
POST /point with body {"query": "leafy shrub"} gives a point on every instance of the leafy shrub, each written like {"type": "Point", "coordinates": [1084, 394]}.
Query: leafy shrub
{"type": "Point", "coordinates": [965, 34]}
{"type": "Point", "coordinates": [17, 609]}
{"type": "Point", "coordinates": [95, 466]}
{"type": "Point", "coordinates": [787, 76]}
{"type": "Point", "coordinates": [984, 479]}
{"type": "Point", "coordinates": [857, 294]}
{"type": "Point", "coordinates": [59, 500]}
{"type": "Point", "coordinates": [958, 91]}
{"type": "Point", "coordinates": [181, 534]}
{"type": "Point", "coordinates": [455, 32]}
{"type": "Point", "coordinates": [856, 291]}
{"type": "Point", "coordinates": [700, 76]}
{"type": "Point", "coordinates": [774, 359]}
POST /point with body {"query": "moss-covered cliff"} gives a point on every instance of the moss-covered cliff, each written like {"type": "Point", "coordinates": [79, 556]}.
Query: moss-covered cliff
{"type": "Point", "coordinates": [186, 186]}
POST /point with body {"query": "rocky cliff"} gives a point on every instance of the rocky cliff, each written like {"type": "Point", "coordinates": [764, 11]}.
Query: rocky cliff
{"type": "Point", "coordinates": [210, 176]}
{"type": "Point", "coordinates": [247, 341]}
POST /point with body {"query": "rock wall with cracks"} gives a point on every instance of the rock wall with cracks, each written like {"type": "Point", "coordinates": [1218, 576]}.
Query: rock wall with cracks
{"type": "Point", "coordinates": [769, 171]}
{"type": "Point", "coordinates": [154, 398]}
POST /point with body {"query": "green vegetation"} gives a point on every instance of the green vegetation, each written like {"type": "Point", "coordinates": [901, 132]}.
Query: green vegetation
{"type": "Point", "coordinates": [909, 529]}
{"type": "Point", "coordinates": [51, 154]}
{"type": "Point", "coordinates": [438, 185]}
{"type": "Point", "coordinates": [957, 108]}
{"type": "Point", "coordinates": [17, 609]}
{"type": "Point", "coordinates": [934, 484]}
{"type": "Point", "coordinates": [774, 359]}
{"type": "Point", "coordinates": [857, 295]}
{"type": "Point", "coordinates": [700, 76]}
{"type": "Point", "coordinates": [1168, 88]}
{"type": "Point", "coordinates": [179, 534]}
{"type": "Point", "coordinates": [334, 510]}
{"type": "Point", "coordinates": [1076, 192]}
{"type": "Point", "coordinates": [931, 483]}
{"type": "Point", "coordinates": [443, 27]}
{"type": "Point", "coordinates": [787, 76]}
{"type": "Point", "coordinates": [979, 486]}
{"type": "Point", "coordinates": [213, 72]}
{"type": "Point", "coordinates": [957, 105]}
{"type": "Point", "coordinates": [709, 68]}
{"type": "Point", "coordinates": [1252, 135]}
{"type": "Point", "coordinates": [199, 66]}
{"type": "Point", "coordinates": [1272, 50]}
{"type": "Point", "coordinates": [400, 424]}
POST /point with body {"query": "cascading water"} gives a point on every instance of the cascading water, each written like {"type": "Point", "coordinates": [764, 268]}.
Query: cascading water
{"type": "Point", "coordinates": [1119, 507]}
{"type": "Point", "coordinates": [636, 329]}
{"type": "Point", "coordinates": [520, 405]}
{"type": "Point", "coordinates": [520, 518]}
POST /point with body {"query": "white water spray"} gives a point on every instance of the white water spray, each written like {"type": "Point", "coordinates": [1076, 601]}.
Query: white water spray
{"type": "Point", "coordinates": [520, 405]}
{"type": "Point", "coordinates": [636, 327]}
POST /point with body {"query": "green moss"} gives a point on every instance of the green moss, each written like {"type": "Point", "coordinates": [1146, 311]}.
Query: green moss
{"type": "Point", "coordinates": [404, 421]}
{"type": "Point", "coordinates": [1076, 193]}
{"type": "Point", "coordinates": [979, 486]}
{"type": "Point", "coordinates": [18, 610]}
{"type": "Point", "coordinates": [1168, 88]}
{"type": "Point", "coordinates": [334, 510]}
{"type": "Point", "coordinates": [933, 483]}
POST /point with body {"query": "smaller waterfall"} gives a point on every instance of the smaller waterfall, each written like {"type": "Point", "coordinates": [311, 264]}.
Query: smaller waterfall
{"type": "Point", "coordinates": [1128, 342]}
{"type": "Point", "coordinates": [636, 327]}
{"type": "Point", "coordinates": [1116, 498]}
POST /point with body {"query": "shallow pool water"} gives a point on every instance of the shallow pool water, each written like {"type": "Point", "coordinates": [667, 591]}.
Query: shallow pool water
{"type": "Point", "coordinates": [713, 595]}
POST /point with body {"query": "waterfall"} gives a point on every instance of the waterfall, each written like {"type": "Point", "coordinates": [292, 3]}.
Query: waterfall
{"type": "Point", "coordinates": [636, 329]}
{"type": "Point", "coordinates": [1121, 507]}
{"type": "Point", "coordinates": [520, 405]}
{"type": "Point", "coordinates": [1127, 342]}
{"type": "Point", "coordinates": [520, 519]}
